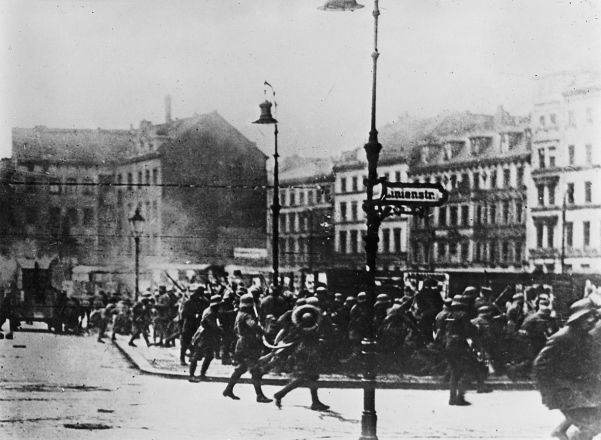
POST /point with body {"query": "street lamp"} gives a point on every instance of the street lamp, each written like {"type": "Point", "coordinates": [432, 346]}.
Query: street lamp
{"type": "Point", "coordinates": [136, 223]}
{"type": "Point", "coordinates": [266, 118]}
{"type": "Point", "coordinates": [374, 219]}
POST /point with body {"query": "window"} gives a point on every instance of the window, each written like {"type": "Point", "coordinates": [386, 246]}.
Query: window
{"type": "Point", "coordinates": [310, 200]}
{"type": "Point", "coordinates": [282, 222]}
{"type": "Point", "coordinates": [387, 176]}
{"type": "Point", "coordinates": [520, 177]}
{"type": "Point", "coordinates": [147, 175]}
{"type": "Point", "coordinates": [292, 197]}
{"type": "Point", "coordinates": [505, 212]}
{"type": "Point", "coordinates": [353, 210]}
{"type": "Point", "coordinates": [465, 183]}
{"type": "Point", "coordinates": [397, 176]}
{"type": "Point", "coordinates": [140, 182]}
{"type": "Point", "coordinates": [355, 184]}
{"type": "Point", "coordinates": [550, 236]}
{"type": "Point", "coordinates": [441, 251]}
{"type": "Point", "coordinates": [465, 246]}
{"type": "Point", "coordinates": [569, 232]}
{"type": "Point", "coordinates": [130, 181]}
{"type": "Point", "coordinates": [570, 193]}
{"type": "Point", "coordinates": [588, 192]}
{"type": "Point", "coordinates": [386, 241]}
{"type": "Point", "coordinates": [493, 179]}
{"type": "Point", "coordinates": [541, 158]}
{"type": "Point", "coordinates": [540, 189]}
{"type": "Point", "coordinates": [476, 181]}
{"type": "Point", "coordinates": [343, 211]}
{"type": "Point", "coordinates": [551, 195]}
{"type": "Point", "coordinates": [552, 157]}
{"type": "Point", "coordinates": [453, 249]}
{"type": "Point", "coordinates": [519, 212]}
{"type": "Point", "coordinates": [88, 216]}
{"type": "Point", "coordinates": [442, 216]}
{"type": "Point", "coordinates": [517, 256]}
{"type": "Point", "coordinates": [71, 185]}
{"type": "Point", "coordinates": [506, 178]}
{"type": "Point", "coordinates": [465, 215]}
{"type": "Point", "coordinates": [479, 214]}
{"type": "Point", "coordinates": [301, 198]}
{"type": "Point", "coordinates": [553, 119]}
{"type": "Point", "coordinates": [571, 155]}
{"type": "Point", "coordinates": [283, 197]}
{"type": "Point", "coordinates": [342, 241]}
{"type": "Point", "coordinates": [493, 251]}
{"type": "Point", "coordinates": [588, 148]}
{"type": "Point", "coordinates": [453, 181]}
{"type": "Point", "coordinates": [155, 176]}
{"type": "Point", "coordinates": [294, 226]}
{"type": "Point", "coordinates": [55, 185]}
{"type": "Point", "coordinates": [493, 214]}
{"type": "Point", "coordinates": [354, 242]}
{"type": "Point", "coordinates": [88, 186]}
{"type": "Point", "coordinates": [586, 233]}
{"type": "Point", "coordinates": [396, 233]}
{"type": "Point", "coordinates": [72, 216]}
{"type": "Point", "coordinates": [343, 184]}
{"type": "Point", "coordinates": [505, 251]}
{"type": "Point", "coordinates": [453, 213]}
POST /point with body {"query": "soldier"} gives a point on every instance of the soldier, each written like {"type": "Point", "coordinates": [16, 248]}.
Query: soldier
{"type": "Point", "coordinates": [567, 374]}
{"type": "Point", "coordinates": [539, 326]}
{"type": "Point", "coordinates": [460, 357]}
{"type": "Point", "coordinates": [440, 320]}
{"type": "Point", "coordinates": [191, 314]}
{"type": "Point", "coordinates": [206, 339]}
{"type": "Point", "coordinates": [515, 313]}
{"type": "Point", "coordinates": [306, 320]}
{"type": "Point", "coordinates": [8, 312]}
{"type": "Point", "coordinates": [487, 336]}
{"type": "Point", "coordinates": [359, 323]}
{"type": "Point", "coordinates": [227, 317]}
{"type": "Point", "coordinates": [141, 320]}
{"type": "Point", "coordinates": [271, 308]}
{"type": "Point", "coordinates": [248, 349]}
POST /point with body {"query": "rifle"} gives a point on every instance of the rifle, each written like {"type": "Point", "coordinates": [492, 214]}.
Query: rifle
{"type": "Point", "coordinates": [175, 283]}
{"type": "Point", "coordinates": [501, 295]}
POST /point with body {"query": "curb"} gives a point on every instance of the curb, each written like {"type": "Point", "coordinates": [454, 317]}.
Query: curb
{"type": "Point", "coordinates": [429, 383]}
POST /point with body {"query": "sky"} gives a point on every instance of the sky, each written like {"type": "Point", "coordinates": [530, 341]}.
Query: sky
{"type": "Point", "coordinates": [109, 64]}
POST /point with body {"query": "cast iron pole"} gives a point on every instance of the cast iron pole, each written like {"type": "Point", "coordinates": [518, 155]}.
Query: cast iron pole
{"type": "Point", "coordinates": [275, 209]}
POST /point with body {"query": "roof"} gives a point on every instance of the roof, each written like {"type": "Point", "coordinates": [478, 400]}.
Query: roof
{"type": "Point", "coordinates": [70, 145]}
{"type": "Point", "coordinates": [296, 169]}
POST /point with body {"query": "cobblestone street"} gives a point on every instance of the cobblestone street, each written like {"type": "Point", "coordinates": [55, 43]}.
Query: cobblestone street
{"type": "Point", "coordinates": [52, 384]}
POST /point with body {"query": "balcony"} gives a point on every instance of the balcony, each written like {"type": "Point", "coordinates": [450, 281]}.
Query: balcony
{"type": "Point", "coordinates": [544, 253]}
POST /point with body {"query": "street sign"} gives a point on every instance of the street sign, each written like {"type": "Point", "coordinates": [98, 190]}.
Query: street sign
{"type": "Point", "coordinates": [409, 194]}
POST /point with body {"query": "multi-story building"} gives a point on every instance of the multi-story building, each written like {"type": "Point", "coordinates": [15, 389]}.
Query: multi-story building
{"type": "Point", "coordinates": [349, 217]}
{"type": "Point", "coordinates": [198, 182]}
{"type": "Point", "coordinates": [565, 200]}
{"type": "Point", "coordinates": [305, 228]}
{"type": "Point", "coordinates": [485, 169]}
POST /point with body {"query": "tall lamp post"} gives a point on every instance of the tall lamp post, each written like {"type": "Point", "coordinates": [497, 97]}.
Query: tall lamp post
{"type": "Point", "coordinates": [374, 219]}
{"type": "Point", "coordinates": [267, 118]}
{"type": "Point", "coordinates": [137, 227]}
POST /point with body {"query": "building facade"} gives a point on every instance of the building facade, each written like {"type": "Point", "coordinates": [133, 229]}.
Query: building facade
{"type": "Point", "coordinates": [564, 228]}
{"type": "Point", "coordinates": [306, 227]}
{"type": "Point", "coordinates": [483, 224]}
{"type": "Point", "coordinates": [198, 182]}
{"type": "Point", "coordinates": [350, 221]}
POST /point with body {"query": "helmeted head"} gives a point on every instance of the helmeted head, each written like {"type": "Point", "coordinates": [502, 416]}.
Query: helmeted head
{"type": "Point", "coordinates": [460, 302]}
{"type": "Point", "coordinates": [584, 319]}
{"type": "Point", "coordinates": [338, 298]}
{"type": "Point", "coordinates": [485, 310]}
{"type": "Point", "coordinates": [312, 300]}
{"type": "Point", "coordinates": [518, 297]}
{"type": "Point", "coordinates": [470, 291]}
{"type": "Point", "coordinates": [350, 301]}
{"type": "Point", "coordinates": [382, 300]}
{"type": "Point", "coordinates": [361, 298]}
{"type": "Point", "coordinates": [215, 300]}
{"type": "Point", "coordinates": [247, 301]}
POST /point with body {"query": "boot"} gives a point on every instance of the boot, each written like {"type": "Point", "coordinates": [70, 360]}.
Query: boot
{"type": "Point", "coordinates": [316, 405]}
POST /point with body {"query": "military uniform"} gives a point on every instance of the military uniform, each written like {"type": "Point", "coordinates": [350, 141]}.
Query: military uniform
{"type": "Point", "coordinates": [306, 355]}
{"type": "Point", "coordinates": [191, 315]}
{"type": "Point", "coordinates": [206, 339]}
{"type": "Point", "coordinates": [460, 356]}
{"type": "Point", "coordinates": [140, 321]}
{"type": "Point", "coordinates": [248, 349]}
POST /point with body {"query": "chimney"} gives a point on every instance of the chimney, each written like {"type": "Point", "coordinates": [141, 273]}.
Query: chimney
{"type": "Point", "coordinates": [167, 109]}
